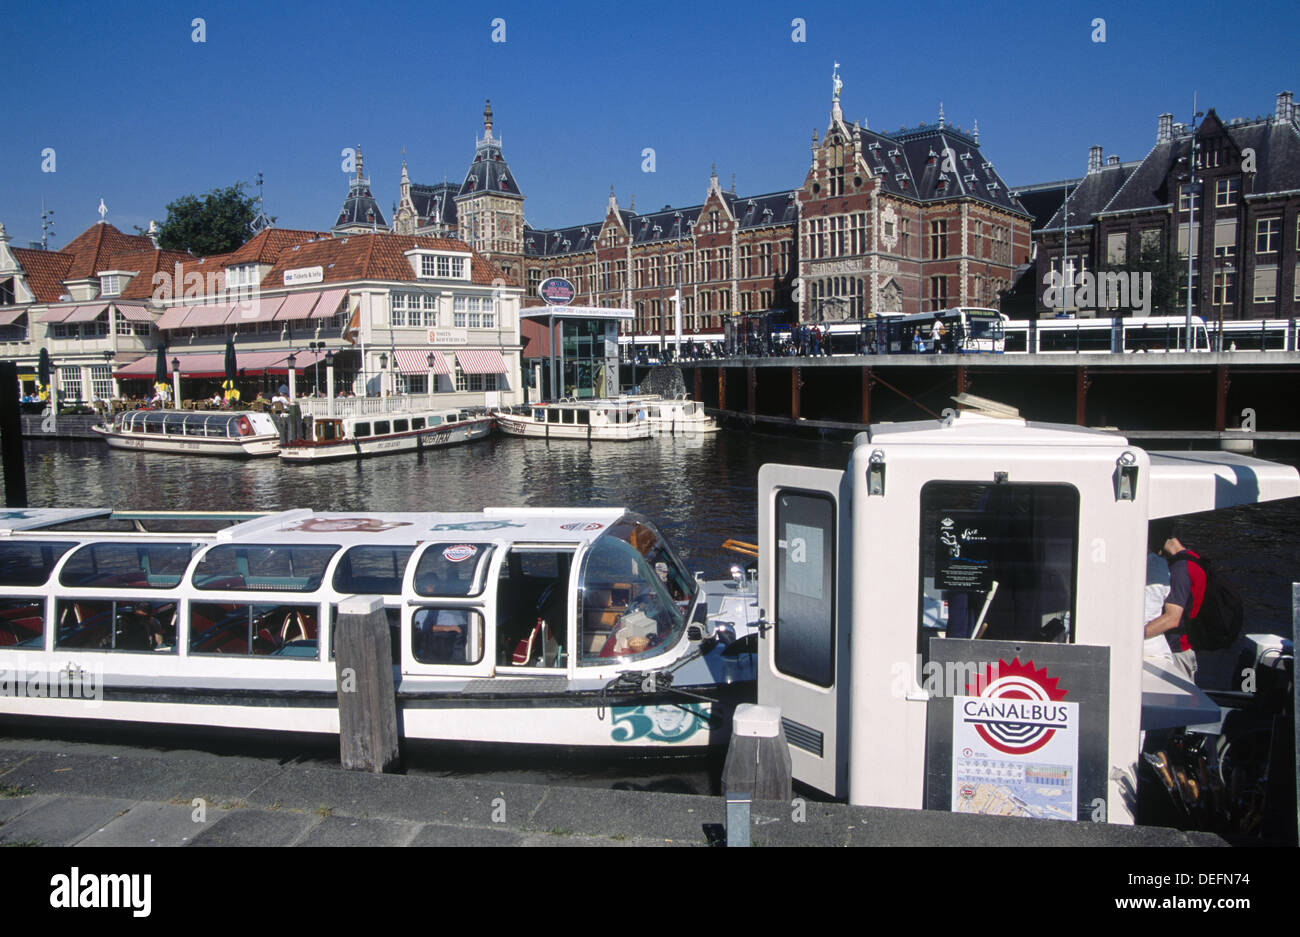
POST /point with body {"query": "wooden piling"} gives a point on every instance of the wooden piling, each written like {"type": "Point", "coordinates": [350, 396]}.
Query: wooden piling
{"type": "Point", "coordinates": [363, 664]}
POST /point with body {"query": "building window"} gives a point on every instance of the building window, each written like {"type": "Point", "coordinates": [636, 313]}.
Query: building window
{"type": "Point", "coordinates": [460, 378]}
{"type": "Point", "coordinates": [428, 266]}
{"type": "Point", "coordinates": [1265, 284]}
{"type": "Point", "coordinates": [1268, 235]}
{"type": "Point", "coordinates": [1196, 290]}
{"type": "Point", "coordinates": [430, 304]}
{"type": "Point", "coordinates": [1226, 192]}
{"type": "Point", "coordinates": [1117, 248]}
{"type": "Point", "coordinates": [397, 316]}
{"type": "Point", "coordinates": [7, 292]}
{"type": "Point", "coordinates": [1225, 288]}
{"type": "Point", "coordinates": [938, 240]}
{"type": "Point", "coordinates": [939, 292]}
{"type": "Point", "coordinates": [1225, 241]}
{"type": "Point", "coordinates": [110, 285]}
{"type": "Point", "coordinates": [101, 381]}
{"type": "Point", "coordinates": [70, 382]}
{"type": "Point", "coordinates": [1188, 196]}
{"type": "Point", "coordinates": [444, 267]}
{"type": "Point", "coordinates": [458, 268]}
{"type": "Point", "coordinates": [459, 311]}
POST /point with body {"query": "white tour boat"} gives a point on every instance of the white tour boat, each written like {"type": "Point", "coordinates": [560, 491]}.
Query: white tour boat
{"type": "Point", "coordinates": [956, 623]}
{"type": "Point", "coordinates": [237, 433]}
{"type": "Point", "coordinates": [674, 416]}
{"type": "Point", "coordinates": [571, 627]}
{"type": "Point", "coordinates": [620, 419]}
{"type": "Point", "coordinates": [384, 434]}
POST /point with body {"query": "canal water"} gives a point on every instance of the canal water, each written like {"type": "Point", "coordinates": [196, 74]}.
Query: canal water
{"type": "Point", "coordinates": [699, 491]}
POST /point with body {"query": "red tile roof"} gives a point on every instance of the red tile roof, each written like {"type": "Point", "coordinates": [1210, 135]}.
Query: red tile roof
{"type": "Point", "coordinates": [369, 257]}
{"type": "Point", "coordinates": [92, 248]}
{"type": "Point", "coordinates": [145, 264]}
{"type": "Point", "coordinates": [45, 272]}
{"type": "Point", "coordinates": [265, 246]}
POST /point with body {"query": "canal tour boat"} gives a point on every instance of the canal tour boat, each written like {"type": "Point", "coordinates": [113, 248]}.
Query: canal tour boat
{"type": "Point", "coordinates": [385, 434]}
{"type": "Point", "coordinates": [232, 433]}
{"type": "Point", "coordinates": [567, 626]}
{"type": "Point", "coordinates": [957, 624]}
{"type": "Point", "coordinates": [618, 419]}
{"type": "Point", "coordinates": [673, 416]}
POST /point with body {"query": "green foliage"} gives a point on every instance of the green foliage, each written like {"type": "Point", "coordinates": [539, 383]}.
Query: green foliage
{"type": "Point", "coordinates": [214, 224]}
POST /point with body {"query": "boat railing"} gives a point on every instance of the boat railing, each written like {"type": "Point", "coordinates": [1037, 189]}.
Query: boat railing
{"type": "Point", "coordinates": [365, 406]}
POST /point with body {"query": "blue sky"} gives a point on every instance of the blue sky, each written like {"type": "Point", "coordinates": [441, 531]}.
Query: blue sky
{"type": "Point", "coordinates": [138, 114]}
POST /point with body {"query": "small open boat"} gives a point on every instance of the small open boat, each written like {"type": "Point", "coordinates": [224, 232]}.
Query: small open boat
{"type": "Point", "coordinates": [619, 419]}
{"type": "Point", "coordinates": [566, 626]}
{"type": "Point", "coordinates": [235, 433]}
{"type": "Point", "coordinates": [384, 434]}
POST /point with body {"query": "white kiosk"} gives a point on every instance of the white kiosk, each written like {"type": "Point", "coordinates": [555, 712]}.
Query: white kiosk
{"type": "Point", "coordinates": [1025, 544]}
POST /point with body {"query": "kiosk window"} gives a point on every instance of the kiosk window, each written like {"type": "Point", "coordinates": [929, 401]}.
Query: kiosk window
{"type": "Point", "coordinates": [998, 561]}
{"type": "Point", "coordinates": [805, 587]}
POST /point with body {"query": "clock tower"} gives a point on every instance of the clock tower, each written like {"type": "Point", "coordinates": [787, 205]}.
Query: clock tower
{"type": "Point", "coordinates": [489, 205]}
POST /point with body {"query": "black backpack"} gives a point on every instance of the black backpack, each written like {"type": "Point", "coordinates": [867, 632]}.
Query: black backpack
{"type": "Point", "coordinates": [1218, 622]}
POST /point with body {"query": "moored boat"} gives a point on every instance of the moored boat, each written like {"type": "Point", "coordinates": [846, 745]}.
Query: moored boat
{"type": "Point", "coordinates": [573, 627]}
{"type": "Point", "coordinates": [232, 433]}
{"type": "Point", "coordinates": [674, 416]}
{"type": "Point", "coordinates": [621, 420]}
{"type": "Point", "coordinates": [385, 434]}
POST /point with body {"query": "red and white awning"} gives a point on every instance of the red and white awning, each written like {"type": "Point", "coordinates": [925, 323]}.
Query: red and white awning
{"type": "Point", "coordinates": [213, 364]}
{"type": "Point", "coordinates": [416, 361]}
{"type": "Point", "coordinates": [10, 316]}
{"type": "Point", "coordinates": [297, 306]}
{"type": "Point", "coordinates": [254, 310]}
{"type": "Point", "coordinates": [482, 361]}
{"type": "Point", "coordinates": [209, 315]}
{"type": "Point", "coordinates": [134, 313]}
{"type": "Point", "coordinates": [329, 304]}
{"type": "Point", "coordinates": [68, 314]}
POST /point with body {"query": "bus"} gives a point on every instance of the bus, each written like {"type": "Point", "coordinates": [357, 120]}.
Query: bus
{"type": "Point", "coordinates": [967, 330]}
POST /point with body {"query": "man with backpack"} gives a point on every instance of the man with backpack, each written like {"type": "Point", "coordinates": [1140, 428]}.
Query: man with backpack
{"type": "Point", "coordinates": [1201, 612]}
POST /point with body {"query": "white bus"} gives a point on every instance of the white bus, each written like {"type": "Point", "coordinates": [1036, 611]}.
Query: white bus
{"type": "Point", "coordinates": [967, 330]}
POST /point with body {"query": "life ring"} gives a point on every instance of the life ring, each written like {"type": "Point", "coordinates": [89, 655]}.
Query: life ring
{"type": "Point", "coordinates": [245, 428]}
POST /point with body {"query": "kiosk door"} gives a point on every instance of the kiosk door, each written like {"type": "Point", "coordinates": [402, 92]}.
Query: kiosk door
{"type": "Point", "coordinates": [802, 654]}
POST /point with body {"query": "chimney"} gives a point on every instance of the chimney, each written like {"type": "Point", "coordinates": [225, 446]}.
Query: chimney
{"type": "Point", "coordinates": [1165, 128]}
{"type": "Point", "coordinates": [1284, 110]}
{"type": "Point", "coordinates": [1094, 159]}
{"type": "Point", "coordinates": [1112, 160]}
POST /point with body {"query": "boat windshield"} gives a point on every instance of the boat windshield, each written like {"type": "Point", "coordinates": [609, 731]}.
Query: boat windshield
{"type": "Point", "coordinates": [635, 595]}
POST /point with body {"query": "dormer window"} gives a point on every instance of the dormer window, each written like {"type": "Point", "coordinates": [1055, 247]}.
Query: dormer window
{"type": "Point", "coordinates": [110, 284]}
{"type": "Point", "coordinates": [429, 265]}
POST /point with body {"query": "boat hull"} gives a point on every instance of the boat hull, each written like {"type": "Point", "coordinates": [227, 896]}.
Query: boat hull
{"type": "Point", "coordinates": [431, 438]}
{"type": "Point", "coordinates": [244, 447]}
{"type": "Point", "coordinates": [615, 432]}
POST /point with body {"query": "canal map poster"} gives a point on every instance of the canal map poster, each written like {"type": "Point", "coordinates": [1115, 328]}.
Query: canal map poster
{"type": "Point", "coordinates": [1019, 729]}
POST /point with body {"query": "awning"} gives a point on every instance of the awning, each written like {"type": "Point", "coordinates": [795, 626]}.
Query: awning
{"type": "Point", "coordinates": [85, 313]}
{"type": "Point", "coordinates": [174, 317]}
{"type": "Point", "coordinates": [135, 313]}
{"type": "Point", "coordinates": [416, 361]}
{"type": "Point", "coordinates": [255, 310]}
{"type": "Point", "coordinates": [213, 364]}
{"type": "Point", "coordinates": [297, 306]}
{"type": "Point", "coordinates": [485, 361]}
{"type": "Point", "coordinates": [329, 304]}
{"type": "Point", "coordinates": [209, 315]}
{"type": "Point", "coordinates": [10, 316]}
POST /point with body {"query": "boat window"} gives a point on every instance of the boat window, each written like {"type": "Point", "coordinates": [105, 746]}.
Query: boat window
{"type": "Point", "coordinates": [568, 416]}
{"type": "Point", "coordinates": [394, 631]}
{"type": "Point", "coordinates": [372, 570]}
{"type": "Point", "coordinates": [998, 561]}
{"type": "Point", "coordinates": [22, 623]}
{"type": "Point", "coordinates": [539, 416]}
{"type": "Point", "coordinates": [533, 607]}
{"type": "Point", "coordinates": [452, 569]}
{"type": "Point", "coordinates": [804, 602]}
{"type": "Point", "coordinates": [254, 629]}
{"type": "Point", "coordinates": [116, 625]}
{"type": "Point", "coordinates": [267, 567]}
{"type": "Point", "coordinates": [382, 427]}
{"type": "Point", "coordinates": [400, 426]}
{"type": "Point", "coordinates": [328, 430]}
{"type": "Point", "coordinates": [444, 635]}
{"type": "Point", "coordinates": [362, 429]}
{"type": "Point", "coordinates": [629, 609]}
{"type": "Point", "coordinates": [127, 565]}
{"type": "Point", "coordinates": [417, 422]}
{"type": "Point", "coordinates": [29, 564]}
{"type": "Point", "coordinates": [435, 421]}
{"type": "Point", "coordinates": [584, 417]}
{"type": "Point", "coordinates": [552, 415]}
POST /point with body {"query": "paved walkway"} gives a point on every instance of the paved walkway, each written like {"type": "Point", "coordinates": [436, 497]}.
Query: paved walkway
{"type": "Point", "coordinates": [133, 797]}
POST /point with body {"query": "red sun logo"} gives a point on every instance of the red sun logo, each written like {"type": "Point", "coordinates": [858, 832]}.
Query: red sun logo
{"type": "Point", "coordinates": [1016, 729]}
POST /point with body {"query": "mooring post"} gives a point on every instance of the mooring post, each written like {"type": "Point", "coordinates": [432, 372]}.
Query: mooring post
{"type": "Point", "coordinates": [363, 661]}
{"type": "Point", "coordinates": [757, 766]}
{"type": "Point", "coordinates": [11, 437]}
{"type": "Point", "coordinates": [961, 378]}
{"type": "Point", "coordinates": [1221, 398]}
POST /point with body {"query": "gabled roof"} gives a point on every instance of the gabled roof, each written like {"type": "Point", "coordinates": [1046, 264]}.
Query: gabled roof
{"type": "Point", "coordinates": [92, 248]}
{"type": "Point", "coordinates": [265, 246]}
{"type": "Point", "coordinates": [1091, 195]}
{"type": "Point", "coordinates": [44, 272]}
{"type": "Point", "coordinates": [146, 264]}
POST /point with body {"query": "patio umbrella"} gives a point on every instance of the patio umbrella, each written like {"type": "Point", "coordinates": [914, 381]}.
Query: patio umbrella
{"type": "Point", "coordinates": [43, 374]}
{"type": "Point", "coordinates": [232, 371]}
{"type": "Point", "coordinates": [160, 384]}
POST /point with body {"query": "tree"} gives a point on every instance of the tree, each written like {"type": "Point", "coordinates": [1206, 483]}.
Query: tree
{"type": "Point", "coordinates": [1167, 276]}
{"type": "Point", "coordinates": [214, 224]}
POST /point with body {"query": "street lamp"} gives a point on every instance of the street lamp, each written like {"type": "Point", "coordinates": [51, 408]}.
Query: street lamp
{"type": "Point", "coordinates": [176, 381]}
{"type": "Point", "coordinates": [428, 359]}
{"type": "Point", "coordinates": [383, 375]}
{"type": "Point", "coordinates": [108, 362]}
{"type": "Point", "coordinates": [317, 347]}
{"type": "Point", "coordinates": [293, 378]}
{"type": "Point", "coordinates": [329, 381]}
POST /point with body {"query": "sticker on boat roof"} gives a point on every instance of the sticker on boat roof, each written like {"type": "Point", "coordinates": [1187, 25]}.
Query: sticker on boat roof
{"type": "Point", "coordinates": [459, 553]}
{"type": "Point", "coordinates": [477, 525]}
{"type": "Point", "coordinates": [579, 525]}
{"type": "Point", "coordinates": [345, 524]}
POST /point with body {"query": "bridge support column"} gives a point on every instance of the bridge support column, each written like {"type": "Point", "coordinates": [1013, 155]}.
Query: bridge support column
{"type": "Point", "coordinates": [1221, 383]}
{"type": "Point", "coordinates": [795, 385]}
{"type": "Point", "coordinates": [1081, 383]}
{"type": "Point", "coordinates": [866, 396]}
{"type": "Point", "coordinates": [961, 378]}
{"type": "Point", "coordinates": [751, 382]}
{"type": "Point", "coordinates": [699, 384]}
{"type": "Point", "coordinates": [722, 388]}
